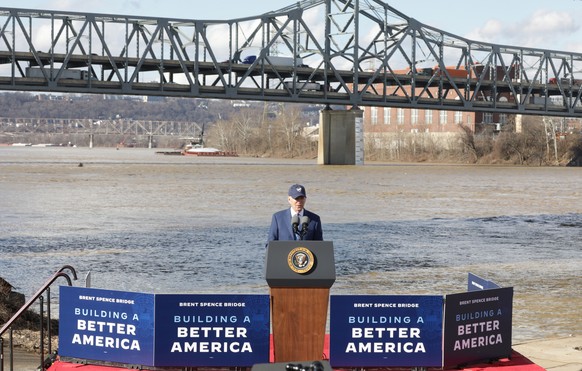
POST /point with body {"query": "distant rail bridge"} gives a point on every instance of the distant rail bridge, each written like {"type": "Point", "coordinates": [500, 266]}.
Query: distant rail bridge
{"type": "Point", "coordinates": [125, 128]}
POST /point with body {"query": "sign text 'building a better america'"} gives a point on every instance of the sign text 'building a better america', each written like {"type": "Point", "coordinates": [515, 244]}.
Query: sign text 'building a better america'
{"type": "Point", "coordinates": [386, 331]}
{"type": "Point", "coordinates": [164, 330]}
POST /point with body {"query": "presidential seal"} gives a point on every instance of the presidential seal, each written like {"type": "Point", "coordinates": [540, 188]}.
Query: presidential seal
{"type": "Point", "coordinates": [300, 260]}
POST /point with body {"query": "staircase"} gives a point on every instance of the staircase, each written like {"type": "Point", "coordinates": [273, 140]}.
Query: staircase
{"type": "Point", "coordinates": [46, 355]}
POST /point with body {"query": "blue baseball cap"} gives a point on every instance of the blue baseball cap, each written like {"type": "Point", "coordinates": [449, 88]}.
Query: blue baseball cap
{"type": "Point", "coordinates": [297, 190]}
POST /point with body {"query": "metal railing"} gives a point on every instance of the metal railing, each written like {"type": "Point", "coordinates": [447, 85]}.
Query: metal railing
{"type": "Point", "coordinates": [40, 297]}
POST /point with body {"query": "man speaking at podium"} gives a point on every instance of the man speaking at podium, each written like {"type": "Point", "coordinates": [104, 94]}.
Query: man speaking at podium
{"type": "Point", "coordinates": [296, 223]}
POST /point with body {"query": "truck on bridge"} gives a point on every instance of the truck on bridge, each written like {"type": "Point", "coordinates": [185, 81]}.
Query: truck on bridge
{"type": "Point", "coordinates": [296, 86]}
{"type": "Point", "coordinates": [565, 81]}
{"type": "Point", "coordinates": [276, 60]}
{"type": "Point", "coordinates": [36, 72]}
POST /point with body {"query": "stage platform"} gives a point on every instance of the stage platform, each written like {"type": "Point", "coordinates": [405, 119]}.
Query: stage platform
{"type": "Point", "coordinates": [517, 363]}
{"type": "Point", "coordinates": [556, 354]}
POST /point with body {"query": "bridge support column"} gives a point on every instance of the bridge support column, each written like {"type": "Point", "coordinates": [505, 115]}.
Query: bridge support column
{"type": "Point", "coordinates": [518, 123]}
{"type": "Point", "coordinates": [341, 137]}
{"type": "Point", "coordinates": [150, 141]}
{"type": "Point", "coordinates": [90, 140]}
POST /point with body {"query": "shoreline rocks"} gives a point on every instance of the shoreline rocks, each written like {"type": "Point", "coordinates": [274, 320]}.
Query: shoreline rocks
{"type": "Point", "coordinates": [25, 330]}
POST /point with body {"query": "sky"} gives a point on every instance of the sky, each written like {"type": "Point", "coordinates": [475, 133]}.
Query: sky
{"type": "Point", "coordinates": [549, 24]}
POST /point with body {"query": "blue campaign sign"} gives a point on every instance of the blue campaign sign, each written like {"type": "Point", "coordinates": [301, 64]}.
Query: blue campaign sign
{"type": "Point", "coordinates": [386, 331]}
{"type": "Point", "coordinates": [476, 283]}
{"type": "Point", "coordinates": [212, 330]}
{"type": "Point", "coordinates": [477, 326]}
{"type": "Point", "coordinates": [106, 325]}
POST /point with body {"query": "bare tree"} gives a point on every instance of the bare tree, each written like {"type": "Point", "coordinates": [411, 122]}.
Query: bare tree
{"type": "Point", "coordinates": [525, 148]}
{"type": "Point", "coordinates": [550, 129]}
{"type": "Point", "coordinates": [222, 135]}
{"type": "Point", "coordinates": [468, 145]}
{"type": "Point", "coordinates": [246, 124]}
{"type": "Point", "coordinates": [288, 126]}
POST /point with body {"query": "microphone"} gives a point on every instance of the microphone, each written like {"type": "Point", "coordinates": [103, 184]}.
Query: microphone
{"type": "Point", "coordinates": [304, 223]}
{"type": "Point", "coordinates": [295, 223]}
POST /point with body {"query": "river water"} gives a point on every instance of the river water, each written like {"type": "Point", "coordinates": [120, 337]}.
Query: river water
{"type": "Point", "coordinates": [141, 221]}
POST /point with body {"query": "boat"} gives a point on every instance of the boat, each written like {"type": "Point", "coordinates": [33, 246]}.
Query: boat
{"type": "Point", "coordinates": [196, 147]}
{"type": "Point", "coordinates": [200, 150]}
{"type": "Point", "coordinates": [21, 144]}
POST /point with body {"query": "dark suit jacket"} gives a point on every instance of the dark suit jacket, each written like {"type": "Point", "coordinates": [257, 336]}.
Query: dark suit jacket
{"type": "Point", "coordinates": [281, 228]}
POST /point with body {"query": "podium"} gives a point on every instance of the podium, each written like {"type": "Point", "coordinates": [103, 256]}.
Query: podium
{"type": "Point", "coordinates": [299, 274]}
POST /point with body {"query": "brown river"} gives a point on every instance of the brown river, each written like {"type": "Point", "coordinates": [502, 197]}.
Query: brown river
{"type": "Point", "coordinates": [141, 221]}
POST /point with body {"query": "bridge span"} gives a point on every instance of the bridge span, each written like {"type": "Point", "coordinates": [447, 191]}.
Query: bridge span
{"type": "Point", "coordinates": [125, 129]}
{"type": "Point", "coordinates": [334, 52]}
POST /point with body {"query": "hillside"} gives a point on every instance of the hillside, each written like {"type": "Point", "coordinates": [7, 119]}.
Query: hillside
{"type": "Point", "coordinates": [28, 105]}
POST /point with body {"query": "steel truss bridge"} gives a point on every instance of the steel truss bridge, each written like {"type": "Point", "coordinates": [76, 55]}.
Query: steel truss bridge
{"type": "Point", "coordinates": [121, 127]}
{"type": "Point", "coordinates": [334, 52]}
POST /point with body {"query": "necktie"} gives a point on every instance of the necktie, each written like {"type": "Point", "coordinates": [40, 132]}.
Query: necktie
{"type": "Point", "coordinates": [298, 234]}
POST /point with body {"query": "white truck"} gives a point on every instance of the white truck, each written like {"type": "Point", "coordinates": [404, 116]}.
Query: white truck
{"type": "Point", "coordinates": [276, 60]}
{"type": "Point", "coordinates": [36, 72]}
{"type": "Point", "coordinates": [302, 86]}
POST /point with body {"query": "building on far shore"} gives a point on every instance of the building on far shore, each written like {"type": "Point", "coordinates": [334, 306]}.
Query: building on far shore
{"type": "Point", "coordinates": [440, 126]}
{"type": "Point", "coordinates": [387, 124]}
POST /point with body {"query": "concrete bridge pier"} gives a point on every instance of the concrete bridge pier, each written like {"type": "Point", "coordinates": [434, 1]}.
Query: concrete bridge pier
{"type": "Point", "coordinates": [341, 137]}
